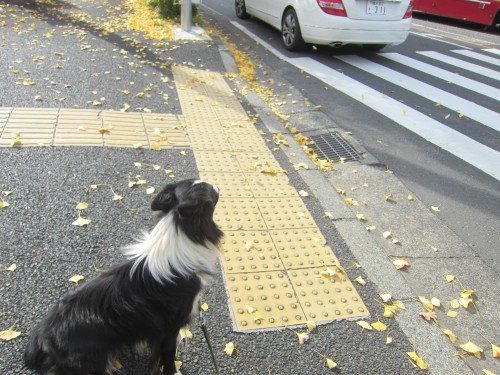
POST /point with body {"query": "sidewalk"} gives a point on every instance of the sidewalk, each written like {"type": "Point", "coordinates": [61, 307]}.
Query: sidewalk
{"type": "Point", "coordinates": [216, 139]}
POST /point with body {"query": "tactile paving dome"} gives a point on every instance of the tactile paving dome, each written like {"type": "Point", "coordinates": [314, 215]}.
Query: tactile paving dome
{"type": "Point", "coordinates": [273, 253]}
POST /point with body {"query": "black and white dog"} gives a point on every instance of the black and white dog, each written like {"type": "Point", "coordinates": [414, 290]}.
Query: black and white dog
{"type": "Point", "coordinates": [145, 300]}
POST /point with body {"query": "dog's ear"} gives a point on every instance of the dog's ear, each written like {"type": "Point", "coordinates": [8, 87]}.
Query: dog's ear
{"type": "Point", "coordinates": [165, 200]}
{"type": "Point", "coordinates": [193, 208]}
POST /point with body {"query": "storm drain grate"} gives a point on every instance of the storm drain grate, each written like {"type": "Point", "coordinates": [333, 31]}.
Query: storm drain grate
{"type": "Point", "coordinates": [332, 147]}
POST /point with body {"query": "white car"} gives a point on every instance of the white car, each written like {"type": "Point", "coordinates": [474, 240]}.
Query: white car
{"type": "Point", "coordinates": [372, 23]}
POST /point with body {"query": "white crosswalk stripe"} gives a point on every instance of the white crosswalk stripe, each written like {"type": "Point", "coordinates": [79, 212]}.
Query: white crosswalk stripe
{"type": "Point", "coordinates": [487, 72]}
{"type": "Point", "coordinates": [492, 50]}
{"type": "Point", "coordinates": [445, 75]}
{"type": "Point", "coordinates": [472, 110]}
{"type": "Point", "coordinates": [478, 56]}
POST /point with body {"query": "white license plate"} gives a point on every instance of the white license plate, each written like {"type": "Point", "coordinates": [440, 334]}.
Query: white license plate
{"type": "Point", "coordinates": [375, 7]}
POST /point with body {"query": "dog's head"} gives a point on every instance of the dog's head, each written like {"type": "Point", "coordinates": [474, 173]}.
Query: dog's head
{"type": "Point", "coordinates": [192, 203]}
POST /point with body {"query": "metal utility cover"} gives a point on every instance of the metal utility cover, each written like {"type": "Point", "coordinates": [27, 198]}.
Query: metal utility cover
{"type": "Point", "coordinates": [332, 147]}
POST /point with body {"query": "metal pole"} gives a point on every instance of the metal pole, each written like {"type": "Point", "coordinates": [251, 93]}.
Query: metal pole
{"type": "Point", "coordinates": [186, 15]}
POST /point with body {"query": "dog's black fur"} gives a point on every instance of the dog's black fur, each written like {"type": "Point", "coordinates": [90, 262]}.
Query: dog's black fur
{"type": "Point", "coordinates": [141, 300]}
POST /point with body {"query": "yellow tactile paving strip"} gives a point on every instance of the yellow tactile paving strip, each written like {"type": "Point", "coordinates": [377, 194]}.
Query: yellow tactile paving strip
{"type": "Point", "coordinates": [73, 127]}
{"type": "Point", "coordinates": [273, 252]}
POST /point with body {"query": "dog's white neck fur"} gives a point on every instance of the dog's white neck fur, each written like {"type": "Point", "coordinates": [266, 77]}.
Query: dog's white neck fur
{"type": "Point", "coordinates": [167, 249]}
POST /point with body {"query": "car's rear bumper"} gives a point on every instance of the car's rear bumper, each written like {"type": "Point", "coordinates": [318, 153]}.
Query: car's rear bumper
{"type": "Point", "coordinates": [349, 31]}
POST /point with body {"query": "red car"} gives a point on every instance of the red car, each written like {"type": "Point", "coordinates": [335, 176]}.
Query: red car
{"type": "Point", "coordinates": [486, 12]}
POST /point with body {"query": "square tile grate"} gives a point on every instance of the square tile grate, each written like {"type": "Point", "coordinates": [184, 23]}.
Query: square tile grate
{"type": "Point", "coordinates": [332, 147]}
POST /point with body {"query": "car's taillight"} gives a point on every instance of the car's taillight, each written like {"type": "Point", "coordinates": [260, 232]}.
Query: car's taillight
{"type": "Point", "coordinates": [333, 7]}
{"type": "Point", "coordinates": [409, 10]}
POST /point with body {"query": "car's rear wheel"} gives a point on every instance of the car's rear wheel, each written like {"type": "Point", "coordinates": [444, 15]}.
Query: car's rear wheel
{"type": "Point", "coordinates": [374, 47]}
{"type": "Point", "coordinates": [241, 9]}
{"type": "Point", "coordinates": [290, 31]}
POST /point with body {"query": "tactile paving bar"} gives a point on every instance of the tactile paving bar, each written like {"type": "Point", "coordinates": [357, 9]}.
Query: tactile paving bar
{"type": "Point", "coordinates": [77, 127]}
{"type": "Point", "coordinates": [303, 248]}
{"type": "Point", "coordinates": [263, 300]}
{"type": "Point", "coordinates": [288, 212]}
{"type": "Point", "coordinates": [323, 299]}
{"type": "Point", "coordinates": [249, 251]}
{"type": "Point", "coordinates": [238, 214]}
{"type": "Point", "coordinates": [273, 253]}
{"type": "Point", "coordinates": [231, 185]}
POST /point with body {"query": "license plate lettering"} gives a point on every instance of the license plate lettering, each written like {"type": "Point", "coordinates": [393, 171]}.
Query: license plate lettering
{"type": "Point", "coordinates": [375, 7]}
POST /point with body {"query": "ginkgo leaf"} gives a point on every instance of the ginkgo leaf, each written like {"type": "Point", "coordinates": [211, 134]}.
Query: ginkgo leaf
{"type": "Point", "coordinates": [81, 221]}
{"type": "Point", "coordinates": [450, 334]}
{"type": "Point", "coordinates": [137, 145]}
{"type": "Point", "coordinates": [386, 297]}
{"type": "Point", "coordinates": [495, 351]}
{"type": "Point", "coordinates": [472, 348]}
{"type": "Point", "coordinates": [365, 325]}
{"type": "Point", "coordinates": [361, 217]}
{"type": "Point", "coordinates": [417, 361]}
{"type": "Point", "coordinates": [250, 309]}
{"type": "Point", "coordinates": [303, 193]}
{"type": "Point", "coordinates": [450, 278]}
{"type": "Point", "coordinates": [257, 317]}
{"type": "Point", "coordinates": [360, 280]}
{"type": "Point", "coordinates": [330, 363]}
{"type": "Point", "coordinates": [9, 334]}
{"type": "Point", "coordinates": [11, 268]}
{"type": "Point", "coordinates": [178, 365]}
{"type": "Point", "coordinates": [185, 333]}
{"type": "Point", "coordinates": [351, 202]}
{"type": "Point", "coordinates": [370, 228]}
{"type": "Point", "coordinates": [117, 197]}
{"type": "Point", "coordinates": [401, 263]}
{"type": "Point", "coordinates": [150, 190]}
{"type": "Point", "coordinates": [389, 340]}
{"type": "Point", "coordinates": [435, 302]}
{"type": "Point", "coordinates": [76, 278]}
{"type": "Point", "coordinates": [328, 214]}
{"type": "Point", "coordinates": [387, 234]}
{"type": "Point", "coordinates": [426, 303]}
{"type": "Point", "coordinates": [466, 293]}
{"type": "Point", "coordinates": [389, 311]}
{"type": "Point", "coordinates": [310, 325]}
{"type": "Point", "coordinates": [464, 302]}
{"type": "Point", "coordinates": [428, 315]}
{"type": "Point", "coordinates": [399, 304]}
{"type": "Point", "coordinates": [452, 313]}
{"type": "Point", "coordinates": [435, 208]}
{"type": "Point", "coordinates": [487, 372]}
{"type": "Point", "coordinates": [16, 142]}
{"type": "Point", "coordinates": [204, 306]}
{"type": "Point", "coordinates": [303, 337]}
{"type": "Point", "coordinates": [410, 197]}
{"type": "Point", "coordinates": [454, 304]}
{"type": "Point", "coordinates": [230, 348]}
{"type": "Point", "coordinates": [379, 326]}
{"type": "Point", "coordinates": [82, 206]}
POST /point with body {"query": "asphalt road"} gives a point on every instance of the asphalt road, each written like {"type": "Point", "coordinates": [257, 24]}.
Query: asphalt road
{"type": "Point", "coordinates": [468, 198]}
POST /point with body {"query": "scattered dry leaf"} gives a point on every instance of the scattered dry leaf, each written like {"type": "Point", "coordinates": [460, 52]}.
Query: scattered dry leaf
{"type": "Point", "coordinates": [9, 334]}
{"type": "Point", "coordinates": [76, 278]}
{"type": "Point", "coordinates": [230, 348]}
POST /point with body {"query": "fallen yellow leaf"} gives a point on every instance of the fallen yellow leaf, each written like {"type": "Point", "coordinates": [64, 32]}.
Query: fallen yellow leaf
{"type": "Point", "coordinates": [150, 190]}
{"type": "Point", "coordinates": [82, 206]}
{"type": "Point", "coordinates": [450, 334]}
{"type": "Point", "coordinates": [9, 334]}
{"type": "Point", "coordinates": [330, 363]}
{"type": "Point", "coordinates": [472, 348]}
{"type": "Point", "coordinates": [230, 348]}
{"type": "Point", "coordinates": [450, 278]}
{"type": "Point", "coordinates": [426, 303]}
{"type": "Point", "coordinates": [76, 278]}
{"type": "Point", "coordinates": [360, 280]}
{"type": "Point", "coordinates": [417, 361]}
{"type": "Point", "coordinates": [204, 306]}
{"type": "Point", "coordinates": [185, 333]}
{"type": "Point", "coordinates": [379, 326]}
{"type": "Point", "coordinates": [401, 263]}
{"type": "Point", "coordinates": [364, 325]}
{"type": "Point", "coordinates": [81, 221]}
{"type": "Point", "coordinates": [11, 268]}
{"type": "Point", "coordinates": [310, 325]}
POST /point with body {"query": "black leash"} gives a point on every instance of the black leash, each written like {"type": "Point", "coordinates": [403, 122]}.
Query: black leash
{"type": "Point", "coordinates": [205, 332]}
